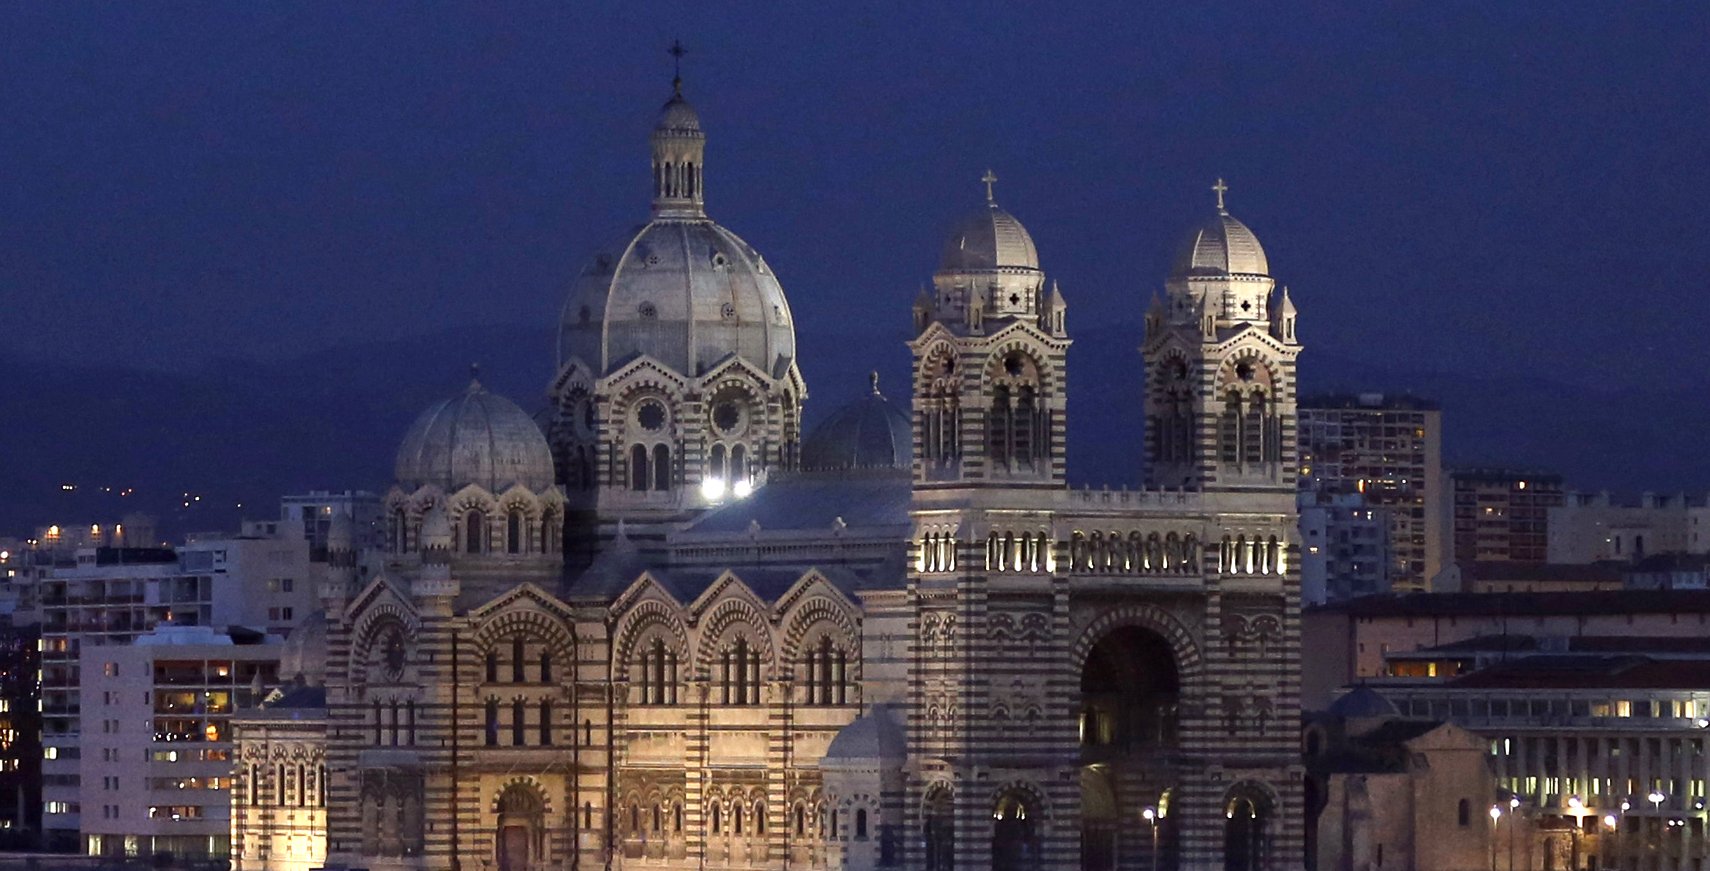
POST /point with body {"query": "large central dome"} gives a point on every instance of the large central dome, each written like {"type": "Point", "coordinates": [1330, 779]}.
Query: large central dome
{"type": "Point", "coordinates": [680, 289]}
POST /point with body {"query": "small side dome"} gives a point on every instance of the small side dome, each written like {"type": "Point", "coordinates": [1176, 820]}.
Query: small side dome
{"type": "Point", "coordinates": [876, 736]}
{"type": "Point", "coordinates": [1363, 703]}
{"type": "Point", "coordinates": [870, 433]}
{"type": "Point", "coordinates": [303, 657]}
{"type": "Point", "coordinates": [987, 240]}
{"type": "Point", "coordinates": [1222, 246]}
{"type": "Point", "coordinates": [475, 437]}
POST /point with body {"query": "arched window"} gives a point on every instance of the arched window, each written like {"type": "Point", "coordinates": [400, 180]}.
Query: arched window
{"type": "Point", "coordinates": [518, 725]}
{"type": "Point", "coordinates": [738, 464]}
{"type": "Point", "coordinates": [545, 666]}
{"type": "Point", "coordinates": [638, 476]}
{"type": "Point", "coordinates": [474, 530]}
{"type": "Point", "coordinates": [661, 467]}
{"type": "Point", "coordinates": [1463, 813]}
{"type": "Point", "coordinates": [717, 820]}
{"type": "Point", "coordinates": [717, 464]}
{"type": "Point", "coordinates": [517, 659]}
{"type": "Point", "coordinates": [736, 818]}
{"type": "Point", "coordinates": [546, 722]}
{"type": "Point", "coordinates": [410, 722]}
{"type": "Point", "coordinates": [759, 818]}
{"type": "Point", "coordinates": [400, 531]}
{"type": "Point", "coordinates": [513, 532]}
{"type": "Point", "coordinates": [492, 723]}
{"type": "Point", "coordinates": [861, 824]}
{"type": "Point", "coordinates": [548, 534]}
{"type": "Point", "coordinates": [492, 667]}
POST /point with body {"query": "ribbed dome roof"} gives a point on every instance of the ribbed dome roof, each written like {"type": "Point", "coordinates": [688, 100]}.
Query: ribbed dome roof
{"type": "Point", "coordinates": [686, 292]}
{"type": "Point", "coordinates": [988, 239]}
{"type": "Point", "coordinates": [304, 653]}
{"type": "Point", "coordinates": [870, 433]}
{"type": "Point", "coordinates": [679, 118]}
{"type": "Point", "coordinates": [1220, 246]}
{"type": "Point", "coordinates": [877, 735]}
{"type": "Point", "coordinates": [475, 437]}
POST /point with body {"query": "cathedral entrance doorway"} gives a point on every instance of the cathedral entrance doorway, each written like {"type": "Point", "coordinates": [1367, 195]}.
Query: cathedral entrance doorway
{"type": "Point", "coordinates": [1015, 837]}
{"type": "Point", "coordinates": [1130, 691]}
{"type": "Point", "coordinates": [940, 833]}
{"type": "Point", "coordinates": [1247, 819]}
{"type": "Point", "coordinates": [521, 829]}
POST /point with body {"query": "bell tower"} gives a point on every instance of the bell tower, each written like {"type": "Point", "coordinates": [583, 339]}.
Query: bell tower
{"type": "Point", "coordinates": [1220, 366]}
{"type": "Point", "coordinates": [989, 353]}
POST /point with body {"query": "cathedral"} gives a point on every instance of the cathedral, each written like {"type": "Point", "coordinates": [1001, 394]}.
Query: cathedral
{"type": "Point", "coordinates": [658, 627]}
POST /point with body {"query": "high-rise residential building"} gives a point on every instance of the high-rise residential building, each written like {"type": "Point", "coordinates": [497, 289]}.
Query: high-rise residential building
{"type": "Point", "coordinates": [20, 736]}
{"type": "Point", "coordinates": [261, 578]}
{"type": "Point", "coordinates": [1503, 514]}
{"type": "Point", "coordinates": [1593, 527]}
{"type": "Point", "coordinates": [1345, 548]}
{"type": "Point", "coordinates": [156, 767]}
{"type": "Point", "coordinates": [1387, 448]}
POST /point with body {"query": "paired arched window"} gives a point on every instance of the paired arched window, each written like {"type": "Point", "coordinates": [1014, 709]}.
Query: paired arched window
{"type": "Point", "coordinates": [658, 674]}
{"type": "Point", "coordinates": [739, 675]}
{"type": "Point", "coordinates": [826, 669]}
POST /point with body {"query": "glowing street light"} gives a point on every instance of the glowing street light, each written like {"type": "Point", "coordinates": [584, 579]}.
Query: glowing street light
{"type": "Point", "coordinates": [1656, 798]}
{"type": "Point", "coordinates": [712, 489]}
{"type": "Point", "coordinates": [1495, 819]}
{"type": "Point", "coordinates": [1151, 816]}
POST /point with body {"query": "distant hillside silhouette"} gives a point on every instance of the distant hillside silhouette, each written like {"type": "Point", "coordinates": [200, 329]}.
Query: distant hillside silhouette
{"type": "Point", "coordinates": [247, 432]}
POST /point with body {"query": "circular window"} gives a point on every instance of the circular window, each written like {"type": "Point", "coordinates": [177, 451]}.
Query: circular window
{"type": "Point", "coordinates": [727, 416]}
{"type": "Point", "coordinates": [651, 416]}
{"type": "Point", "coordinates": [1014, 364]}
{"type": "Point", "coordinates": [728, 312]}
{"type": "Point", "coordinates": [1244, 371]}
{"type": "Point", "coordinates": [647, 311]}
{"type": "Point", "coordinates": [1178, 370]}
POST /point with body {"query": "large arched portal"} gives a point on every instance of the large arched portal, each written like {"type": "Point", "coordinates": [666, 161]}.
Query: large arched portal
{"type": "Point", "coordinates": [1247, 816]}
{"type": "Point", "coordinates": [1130, 694]}
{"type": "Point", "coordinates": [939, 837]}
{"type": "Point", "coordinates": [1015, 833]}
{"type": "Point", "coordinates": [521, 835]}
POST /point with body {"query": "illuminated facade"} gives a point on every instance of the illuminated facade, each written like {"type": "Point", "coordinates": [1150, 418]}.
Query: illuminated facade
{"type": "Point", "coordinates": [671, 632]}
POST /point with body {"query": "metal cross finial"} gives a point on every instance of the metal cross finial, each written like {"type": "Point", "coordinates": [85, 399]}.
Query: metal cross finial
{"type": "Point", "coordinates": [874, 377]}
{"type": "Point", "coordinates": [989, 178]}
{"type": "Point", "coordinates": [677, 51]}
{"type": "Point", "coordinates": [1221, 189]}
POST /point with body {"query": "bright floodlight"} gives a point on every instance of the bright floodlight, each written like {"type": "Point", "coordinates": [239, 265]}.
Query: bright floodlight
{"type": "Point", "coordinates": [712, 489]}
{"type": "Point", "coordinates": [1495, 813]}
{"type": "Point", "coordinates": [1149, 814]}
{"type": "Point", "coordinates": [742, 488]}
{"type": "Point", "coordinates": [1609, 820]}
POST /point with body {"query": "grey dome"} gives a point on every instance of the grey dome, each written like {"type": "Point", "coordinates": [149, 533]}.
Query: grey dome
{"type": "Point", "coordinates": [986, 240]}
{"type": "Point", "coordinates": [688, 293]}
{"type": "Point", "coordinates": [870, 433]}
{"type": "Point", "coordinates": [1363, 702]}
{"type": "Point", "coordinates": [678, 118]}
{"type": "Point", "coordinates": [475, 437]}
{"type": "Point", "coordinates": [876, 735]}
{"type": "Point", "coordinates": [1221, 246]}
{"type": "Point", "coordinates": [303, 656]}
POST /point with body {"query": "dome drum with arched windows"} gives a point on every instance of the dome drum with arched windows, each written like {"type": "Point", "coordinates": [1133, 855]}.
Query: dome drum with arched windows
{"type": "Point", "coordinates": [474, 477]}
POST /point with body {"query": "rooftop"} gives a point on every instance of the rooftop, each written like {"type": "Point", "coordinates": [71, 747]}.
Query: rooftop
{"type": "Point", "coordinates": [1555, 604]}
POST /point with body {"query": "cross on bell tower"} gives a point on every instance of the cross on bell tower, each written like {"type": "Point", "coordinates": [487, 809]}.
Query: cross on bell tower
{"type": "Point", "coordinates": [990, 178]}
{"type": "Point", "coordinates": [1221, 189]}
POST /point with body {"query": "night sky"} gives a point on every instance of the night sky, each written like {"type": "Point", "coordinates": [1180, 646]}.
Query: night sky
{"type": "Point", "coordinates": [1497, 189]}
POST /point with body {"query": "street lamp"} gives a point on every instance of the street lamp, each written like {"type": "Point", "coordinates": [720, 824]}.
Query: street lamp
{"type": "Point", "coordinates": [1577, 808]}
{"type": "Point", "coordinates": [1513, 809]}
{"type": "Point", "coordinates": [1151, 815]}
{"type": "Point", "coordinates": [1656, 798]}
{"type": "Point", "coordinates": [1495, 818]}
{"type": "Point", "coordinates": [1610, 824]}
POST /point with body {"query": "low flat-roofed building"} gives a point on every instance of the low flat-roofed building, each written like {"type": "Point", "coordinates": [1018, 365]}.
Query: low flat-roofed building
{"type": "Point", "coordinates": [1504, 576]}
{"type": "Point", "coordinates": [1346, 642]}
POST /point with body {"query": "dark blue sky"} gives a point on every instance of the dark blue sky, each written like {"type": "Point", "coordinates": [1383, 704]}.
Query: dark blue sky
{"type": "Point", "coordinates": [1508, 188]}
